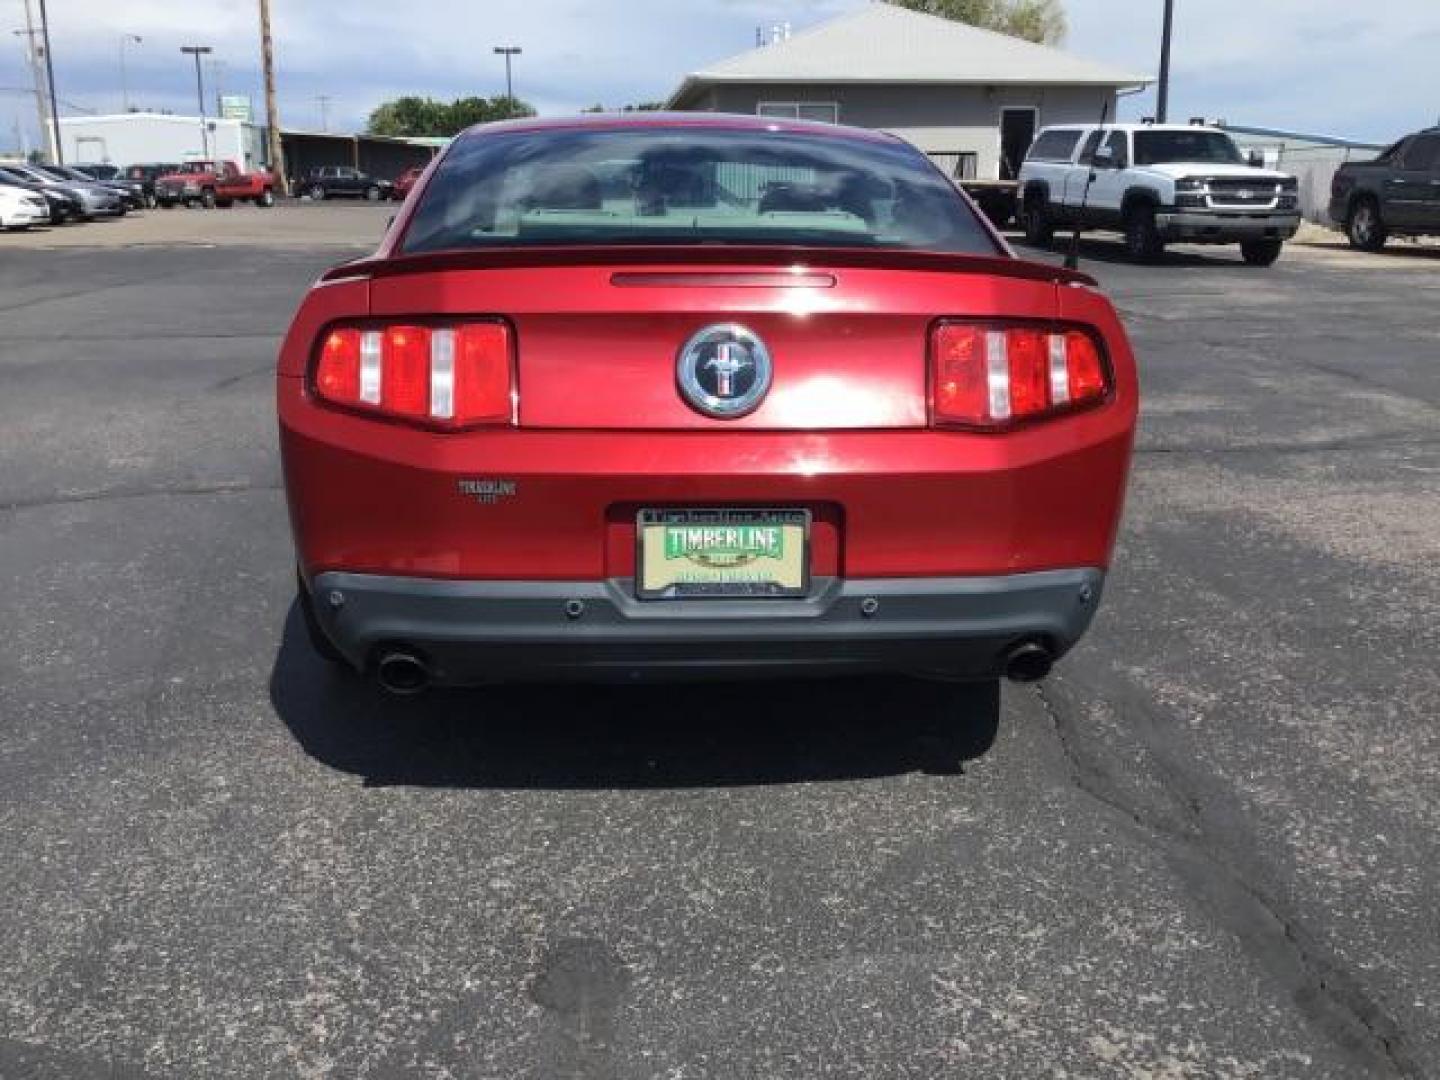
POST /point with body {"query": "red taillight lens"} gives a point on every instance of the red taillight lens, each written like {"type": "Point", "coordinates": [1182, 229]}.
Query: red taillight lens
{"type": "Point", "coordinates": [990, 375]}
{"type": "Point", "coordinates": [453, 376]}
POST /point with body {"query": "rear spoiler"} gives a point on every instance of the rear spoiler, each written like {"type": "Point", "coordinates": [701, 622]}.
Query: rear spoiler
{"type": "Point", "coordinates": [508, 258]}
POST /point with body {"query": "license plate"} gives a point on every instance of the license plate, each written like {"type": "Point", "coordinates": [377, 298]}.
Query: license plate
{"type": "Point", "coordinates": [690, 554]}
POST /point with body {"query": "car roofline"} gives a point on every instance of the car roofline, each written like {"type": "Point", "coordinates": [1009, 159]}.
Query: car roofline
{"type": "Point", "coordinates": [701, 121]}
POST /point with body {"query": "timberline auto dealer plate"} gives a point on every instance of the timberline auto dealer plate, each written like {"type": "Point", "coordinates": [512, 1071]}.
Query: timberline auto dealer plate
{"type": "Point", "coordinates": [722, 554]}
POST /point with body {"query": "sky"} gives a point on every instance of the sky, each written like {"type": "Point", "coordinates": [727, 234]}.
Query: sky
{"type": "Point", "coordinates": [1366, 71]}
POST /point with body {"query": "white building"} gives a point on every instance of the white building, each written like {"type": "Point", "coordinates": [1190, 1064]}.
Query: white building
{"type": "Point", "coordinates": [133, 138]}
{"type": "Point", "coordinates": [971, 98]}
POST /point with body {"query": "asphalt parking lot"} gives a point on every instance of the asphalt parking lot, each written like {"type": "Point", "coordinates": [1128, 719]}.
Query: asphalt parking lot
{"type": "Point", "coordinates": [1208, 846]}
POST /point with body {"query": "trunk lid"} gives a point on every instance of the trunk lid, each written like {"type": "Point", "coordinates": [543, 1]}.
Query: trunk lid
{"type": "Point", "coordinates": [599, 332]}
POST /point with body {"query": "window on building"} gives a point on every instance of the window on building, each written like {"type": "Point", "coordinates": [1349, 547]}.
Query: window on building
{"type": "Point", "coordinates": [825, 111]}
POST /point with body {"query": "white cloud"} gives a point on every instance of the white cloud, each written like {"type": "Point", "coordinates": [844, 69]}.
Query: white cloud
{"type": "Point", "coordinates": [1324, 65]}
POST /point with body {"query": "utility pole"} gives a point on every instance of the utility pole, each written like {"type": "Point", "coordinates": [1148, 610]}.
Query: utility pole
{"type": "Point", "coordinates": [272, 114]}
{"type": "Point", "coordinates": [1162, 107]}
{"type": "Point", "coordinates": [125, 40]}
{"type": "Point", "coordinates": [323, 100]}
{"type": "Point", "coordinates": [56, 150]}
{"type": "Point", "coordinates": [33, 53]}
{"type": "Point", "coordinates": [198, 51]}
{"type": "Point", "coordinates": [508, 51]}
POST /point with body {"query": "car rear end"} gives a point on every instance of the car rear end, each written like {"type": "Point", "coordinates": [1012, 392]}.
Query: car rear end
{"type": "Point", "coordinates": [688, 399]}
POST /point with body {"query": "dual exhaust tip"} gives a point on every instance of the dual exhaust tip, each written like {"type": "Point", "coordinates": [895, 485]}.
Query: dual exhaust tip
{"type": "Point", "coordinates": [401, 672]}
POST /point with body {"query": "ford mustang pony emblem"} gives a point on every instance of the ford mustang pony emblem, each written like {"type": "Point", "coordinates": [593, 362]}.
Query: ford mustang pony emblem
{"type": "Point", "coordinates": [724, 371]}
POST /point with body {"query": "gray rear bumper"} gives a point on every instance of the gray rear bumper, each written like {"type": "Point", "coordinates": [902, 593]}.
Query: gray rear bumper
{"type": "Point", "coordinates": [484, 631]}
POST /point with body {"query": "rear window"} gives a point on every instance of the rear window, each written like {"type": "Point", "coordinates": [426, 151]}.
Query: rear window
{"type": "Point", "coordinates": [1054, 146]}
{"type": "Point", "coordinates": [684, 185]}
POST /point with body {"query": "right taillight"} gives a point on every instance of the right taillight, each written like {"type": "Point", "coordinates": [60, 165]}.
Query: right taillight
{"type": "Point", "coordinates": [446, 375]}
{"type": "Point", "coordinates": [992, 375]}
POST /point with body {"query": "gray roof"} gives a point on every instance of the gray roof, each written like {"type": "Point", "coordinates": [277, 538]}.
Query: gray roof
{"type": "Point", "coordinates": [882, 43]}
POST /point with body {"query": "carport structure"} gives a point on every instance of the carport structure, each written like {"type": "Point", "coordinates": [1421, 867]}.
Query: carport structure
{"type": "Point", "coordinates": [378, 155]}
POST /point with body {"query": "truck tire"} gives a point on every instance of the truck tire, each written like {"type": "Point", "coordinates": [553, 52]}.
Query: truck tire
{"type": "Point", "coordinates": [266, 199]}
{"type": "Point", "coordinates": [1039, 229]}
{"type": "Point", "coordinates": [1261, 252]}
{"type": "Point", "coordinates": [207, 198]}
{"type": "Point", "coordinates": [1142, 239]}
{"type": "Point", "coordinates": [317, 193]}
{"type": "Point", "coordinates": [1364, 228]}
{"type": "Point", "coordinates": [372, 194]}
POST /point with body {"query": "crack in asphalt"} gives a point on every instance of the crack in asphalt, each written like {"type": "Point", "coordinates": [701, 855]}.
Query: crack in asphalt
{"type": "Point", "coordinates": [220, 487]}
{"type": "Point", "coordinates": [1324, 991]}
{"type": "Point", "coordinates": [1379, 442]}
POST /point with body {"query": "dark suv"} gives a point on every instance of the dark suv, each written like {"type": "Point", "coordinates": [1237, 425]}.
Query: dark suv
{"type": "Point", "coordinates": [1396, 194]}
{"type": "Point", "coordinates": [141, 178]}
{"type": "Point", "coordinates": [341, 181]}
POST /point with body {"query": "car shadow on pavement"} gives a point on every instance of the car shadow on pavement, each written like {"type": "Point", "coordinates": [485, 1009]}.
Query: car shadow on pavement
{"type": "Point", "coordinates": [653, 736]}
{"type": "Point", "coordinates": [1111, 250]}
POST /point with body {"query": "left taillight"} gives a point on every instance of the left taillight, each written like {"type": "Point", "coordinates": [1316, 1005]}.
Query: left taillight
{"type": "Point", "coordinates": [993, 375]}
{"type": "Point", "coordinates": [446, 375]}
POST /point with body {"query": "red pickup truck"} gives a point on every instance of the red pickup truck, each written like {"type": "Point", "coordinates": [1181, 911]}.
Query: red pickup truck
{"type": "Point", "coordinates": [209, 183]}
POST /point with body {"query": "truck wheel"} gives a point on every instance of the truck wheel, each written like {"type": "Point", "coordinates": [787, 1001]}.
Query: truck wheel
{"type": "Point", "coordinates": [1039, 229]}
{"type": "Point", "coordinates": [317, 193]}
{"type": "Point", "coordinates": [1142, 238]}
{"type": "Point", "coordinates": [372, 194]}
{"type": "Point", "coordinates": [1365, 229]}
{"type": "Point", "coordinates": [1261, 252]}
{"type": "Point", "coordinates": [266, 199]}
{"type": "Point", "coordinates": [207, 198]}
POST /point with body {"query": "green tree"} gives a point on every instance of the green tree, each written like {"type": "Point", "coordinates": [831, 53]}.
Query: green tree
{"type": "Point", "coordinates": [1034, 20]}
{"type": "Point", "coordinates": [426, 116]}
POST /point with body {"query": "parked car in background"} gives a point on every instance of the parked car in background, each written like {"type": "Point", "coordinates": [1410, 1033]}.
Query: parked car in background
{"type": "Point", "coordinates": [132, 200]}
{"type": "Point", "coordinates": [107, 173]}
{"type": "Point", "coordinates": [1156, 183]}
{"type": "Point", "coordinates": [210, 184]}
{"type": "Point", "coordinates": [563, 426]}
{"type": "Point", "coordinates": [141, 178]}
{"type": "Point", "coordinates": [341, 181]}
{"type": "Point", "coordinates": [95, 200]}
{"type": "Point", "coordinates": [62, 206]}
{"type": "Point", "coordinates": [20, 208]}
{"type": "Point", "coordinates": [406, 181]}
{"type": "Point", "coordinates": [1397, 194]}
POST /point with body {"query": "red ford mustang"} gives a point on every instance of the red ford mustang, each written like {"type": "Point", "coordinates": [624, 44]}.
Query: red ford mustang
{"type": "Point", "coordinates": [699, 395]}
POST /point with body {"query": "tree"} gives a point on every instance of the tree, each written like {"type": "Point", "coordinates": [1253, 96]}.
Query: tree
{"type": "Point", "coordinates": [1042, 21]}
{"type": "Point", "coordinates": [425, 116]}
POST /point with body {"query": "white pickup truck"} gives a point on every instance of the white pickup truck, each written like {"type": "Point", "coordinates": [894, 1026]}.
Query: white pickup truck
{"type": "Point", "coordinates": [1156, 183]}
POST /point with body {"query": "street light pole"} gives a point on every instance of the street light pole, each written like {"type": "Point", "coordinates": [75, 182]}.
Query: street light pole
{"type": "Point", "coordinates": [59, 151]}
{"type": "Point", "coordinates": [508, 51]}
{"type": "Point", "coordinates": [125, 39]}
{"type": "Point", "coordinates": [1162, 107]}
{"type": "Point", "coordinates": [198, 51]}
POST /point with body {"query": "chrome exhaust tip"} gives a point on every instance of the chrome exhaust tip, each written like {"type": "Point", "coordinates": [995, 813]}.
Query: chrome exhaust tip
{"type": "Point", "coordinates": [402, 673]}
{"type": "Point", "coordinates": [1028, 662]}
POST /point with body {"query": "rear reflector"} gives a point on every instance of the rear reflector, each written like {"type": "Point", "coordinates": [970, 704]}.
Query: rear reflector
{"type": "Point", "coordinates": [988, 375]}
{"type": "Point", "coordinates": [451, 376]}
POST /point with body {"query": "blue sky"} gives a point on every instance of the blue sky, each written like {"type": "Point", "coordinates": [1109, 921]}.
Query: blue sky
{"type": "Point", "coordinates": [1366, 71]}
